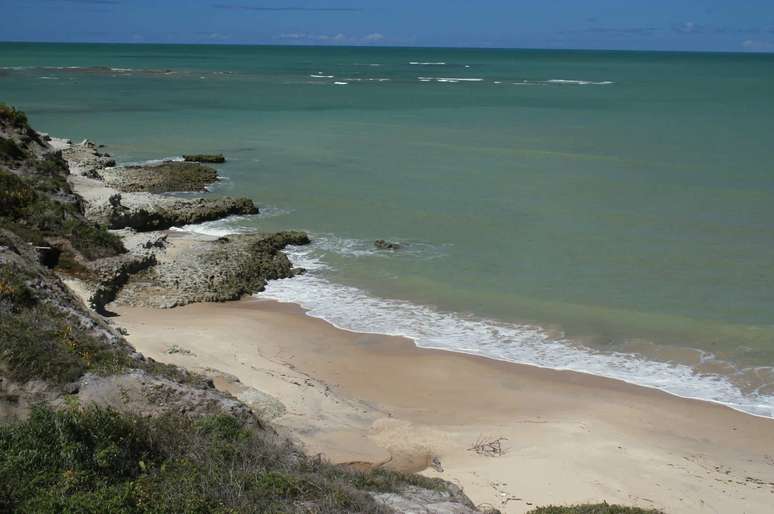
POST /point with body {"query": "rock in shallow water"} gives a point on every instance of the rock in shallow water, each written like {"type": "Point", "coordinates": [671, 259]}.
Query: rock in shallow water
{"type": "Point", "coordinates": [214, 158]}
{"type": "Point", "coordinates": [151, 212]}
{"type": "Point", "coordinates": [169, 176]}
{"type": "Point", "coordinates": [381, 244]}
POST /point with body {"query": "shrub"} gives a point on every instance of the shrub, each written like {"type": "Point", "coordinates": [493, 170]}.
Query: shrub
{"type": "Point", "coordinates": [9, 150]}
{"type": "Point", "coordinates": [13, 117]}
{"type": "Point", "coordinates": [15, 195]}
{"type": "Point", "coordinates": [41, 341]}
{"type": "Point", "coordinates": [35, 216]}
{"type": "Point", "coordinates": [97, 460]}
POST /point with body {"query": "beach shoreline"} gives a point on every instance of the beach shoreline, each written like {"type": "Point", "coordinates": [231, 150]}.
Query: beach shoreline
{"type": "Point", "coordinates": [369, 399]}
{"type": "Point", "coordinates": [513, 436]}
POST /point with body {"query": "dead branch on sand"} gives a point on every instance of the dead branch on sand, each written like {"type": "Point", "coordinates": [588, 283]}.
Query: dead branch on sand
{"type": "Point", "coordinates": [489, 447]}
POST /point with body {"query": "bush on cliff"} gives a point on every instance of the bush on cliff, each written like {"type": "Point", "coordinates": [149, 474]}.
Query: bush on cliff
{"type": "Point", "coordinates": [27, 210]}
{"type": "Point", "coordinates": [97, 460]}
{"type": "Point", "coordinates": [12, 117]}
{"type": "Point", "coordinates": [40, 341]}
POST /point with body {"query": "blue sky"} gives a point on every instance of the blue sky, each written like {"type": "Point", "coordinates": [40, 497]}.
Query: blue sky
{"type": "Point", "coordinates": [719, 25]}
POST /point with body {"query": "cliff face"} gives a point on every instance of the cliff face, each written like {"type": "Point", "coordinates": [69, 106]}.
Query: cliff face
{"type": "Point", "coordinates": [87, 423]}
{"type": "Point", "coordinates": [51, 344]}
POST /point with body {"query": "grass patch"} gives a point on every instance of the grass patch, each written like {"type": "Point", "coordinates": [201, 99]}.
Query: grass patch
{"type": "Point", "coordinates": [97, 460]}
{"type": "Point", "coordinates": [39, 341]}
{"type": "Point", "coordinates": [600, 508]}
{"type": "Point", "coordinates": [9, 150]}
{"type": "Point", "coordinates": [35, 216]}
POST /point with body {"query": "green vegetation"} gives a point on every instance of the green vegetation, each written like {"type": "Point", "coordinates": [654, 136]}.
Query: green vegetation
{"type": "Point", "coordinates": [216, 158]}
{"type": "Point", "coordinates": [12, 117]}
{"type": "Point", "coordinates": [36, 217]}
{"type": "Point", "coordinates": [601, 508]}
{"type": "Point", "coordinates": [97, 460]}
{"type": "Point", "coordinates": [41, 341]}
{"type": "Point", "coordinates": [10, 151]}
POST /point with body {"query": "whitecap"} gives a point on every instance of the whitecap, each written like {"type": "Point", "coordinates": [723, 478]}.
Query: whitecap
{"type": "Point", "coordinates": [579, 82]}
{"type": "Point", "coordinates": [450, 79]}
{"type": "Point", "coordinates": [151, 162]}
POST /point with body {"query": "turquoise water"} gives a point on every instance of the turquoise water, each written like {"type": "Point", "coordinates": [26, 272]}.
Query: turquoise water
{"type": "Point", "coordinates": [609, 212]}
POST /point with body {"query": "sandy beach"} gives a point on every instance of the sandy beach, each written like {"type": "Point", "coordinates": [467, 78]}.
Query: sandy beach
{"type": "Point", "coordinates": [378, 400]}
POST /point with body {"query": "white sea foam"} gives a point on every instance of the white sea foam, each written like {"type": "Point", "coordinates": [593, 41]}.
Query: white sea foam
{"type": "Point", "coordinates": [451, 80]}
{"type": "Point", "coordinates": [340, 83]}
{"type": "Point", "coordinates": [152, 162]}
{"type": "Point", "coordinates": [353, 309]}
{"type": "Point", "coordinates": [579, 82]}
{"type": "Point", "coordinates": [225, 227]}
{"type": "Point", "coordinates": [316, 76]}
{"type": "Point", "coordinates": [563, 82]}
{"type": "Point", "coordinates": [236, 224]}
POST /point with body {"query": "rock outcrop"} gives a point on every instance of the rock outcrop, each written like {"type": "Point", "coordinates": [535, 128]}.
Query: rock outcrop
{"type": "Point", "coordinates": [146, 212]}
{"type": "Point", "coordinates": [381, 244]}
{"type": "Point", "coordinates": [199, 268]}
{"type": "Point", "coordinates": [85, 157]}
{"type": "Point", "coordinates": [418, 500]}
{"type": "Point", "coordinates": [211, 158]}
{"type": "Point", "coordinates": [167, 177]}
{"type": "Point", "coordinates": [113, 273]}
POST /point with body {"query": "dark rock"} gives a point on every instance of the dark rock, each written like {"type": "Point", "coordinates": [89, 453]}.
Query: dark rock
{"type": "Point", "coordinates": [381, 244]}
{"type": "Point", "coordinates": [212, 158]}
{"type": "Point", "coordinates": [48, 256]}
{"type": "Point", "coordinates": [160, 242]}
{"type": "Point", "coordinates": [71, 388]}
{"type": "Point", "coordinates": [113, 274]}
{"type": "Point", "coordinates": [167, 212]}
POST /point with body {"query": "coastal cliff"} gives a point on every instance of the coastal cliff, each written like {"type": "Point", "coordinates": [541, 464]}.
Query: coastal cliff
{"type": "Point", "coordinates": [89, 424]}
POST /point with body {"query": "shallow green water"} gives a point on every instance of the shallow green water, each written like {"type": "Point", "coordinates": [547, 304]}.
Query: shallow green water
{"type": "Point", "coordinates": [623, 200]}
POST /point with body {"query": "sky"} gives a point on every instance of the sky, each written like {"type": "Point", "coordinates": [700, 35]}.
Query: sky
{"type": "Point", "coordinates": [686, 25]}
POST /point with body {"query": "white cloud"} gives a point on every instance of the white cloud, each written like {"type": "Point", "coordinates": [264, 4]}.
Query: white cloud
{"type": "Point", "coordinates": [756, 45]}
{"type": "Point", "coordinates": [331, 38]}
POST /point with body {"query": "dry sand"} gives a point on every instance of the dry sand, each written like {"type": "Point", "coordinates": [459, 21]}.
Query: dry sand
{"type": "Point", "coordinates": [375, 399]}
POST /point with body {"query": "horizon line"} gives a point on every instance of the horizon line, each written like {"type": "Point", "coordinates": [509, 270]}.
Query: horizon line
{"type": "Point", "coordinates": [434, 47]}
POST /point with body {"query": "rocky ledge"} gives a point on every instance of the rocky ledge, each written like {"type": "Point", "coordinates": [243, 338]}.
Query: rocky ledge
{"type": "Point", "coordinates": [147, 212]}
{"type": "Point", "coordinates": [169, 269]}
{"type": "Point", "coordinates": [167, 177]}
{"type": "Point", "coordinates": [192, 268]}
{"type": "Point", "coordinates": [213, 158]}
{"type": "Point", "coordinates": [104, 203]}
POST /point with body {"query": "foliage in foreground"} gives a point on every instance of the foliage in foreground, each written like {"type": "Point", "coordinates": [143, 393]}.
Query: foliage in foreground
{"type": "Point", "coordinates": [97, 460]}
{"type": "Point", "coordinates": [601, 508]}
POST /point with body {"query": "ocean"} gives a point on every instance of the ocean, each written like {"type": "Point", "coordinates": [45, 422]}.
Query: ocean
{"type": "Point", "coordinates": [603, 212]}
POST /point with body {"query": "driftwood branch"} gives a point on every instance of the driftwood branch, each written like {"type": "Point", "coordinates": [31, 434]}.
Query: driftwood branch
{"type": "Point", "coordinates": [489, 447]}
